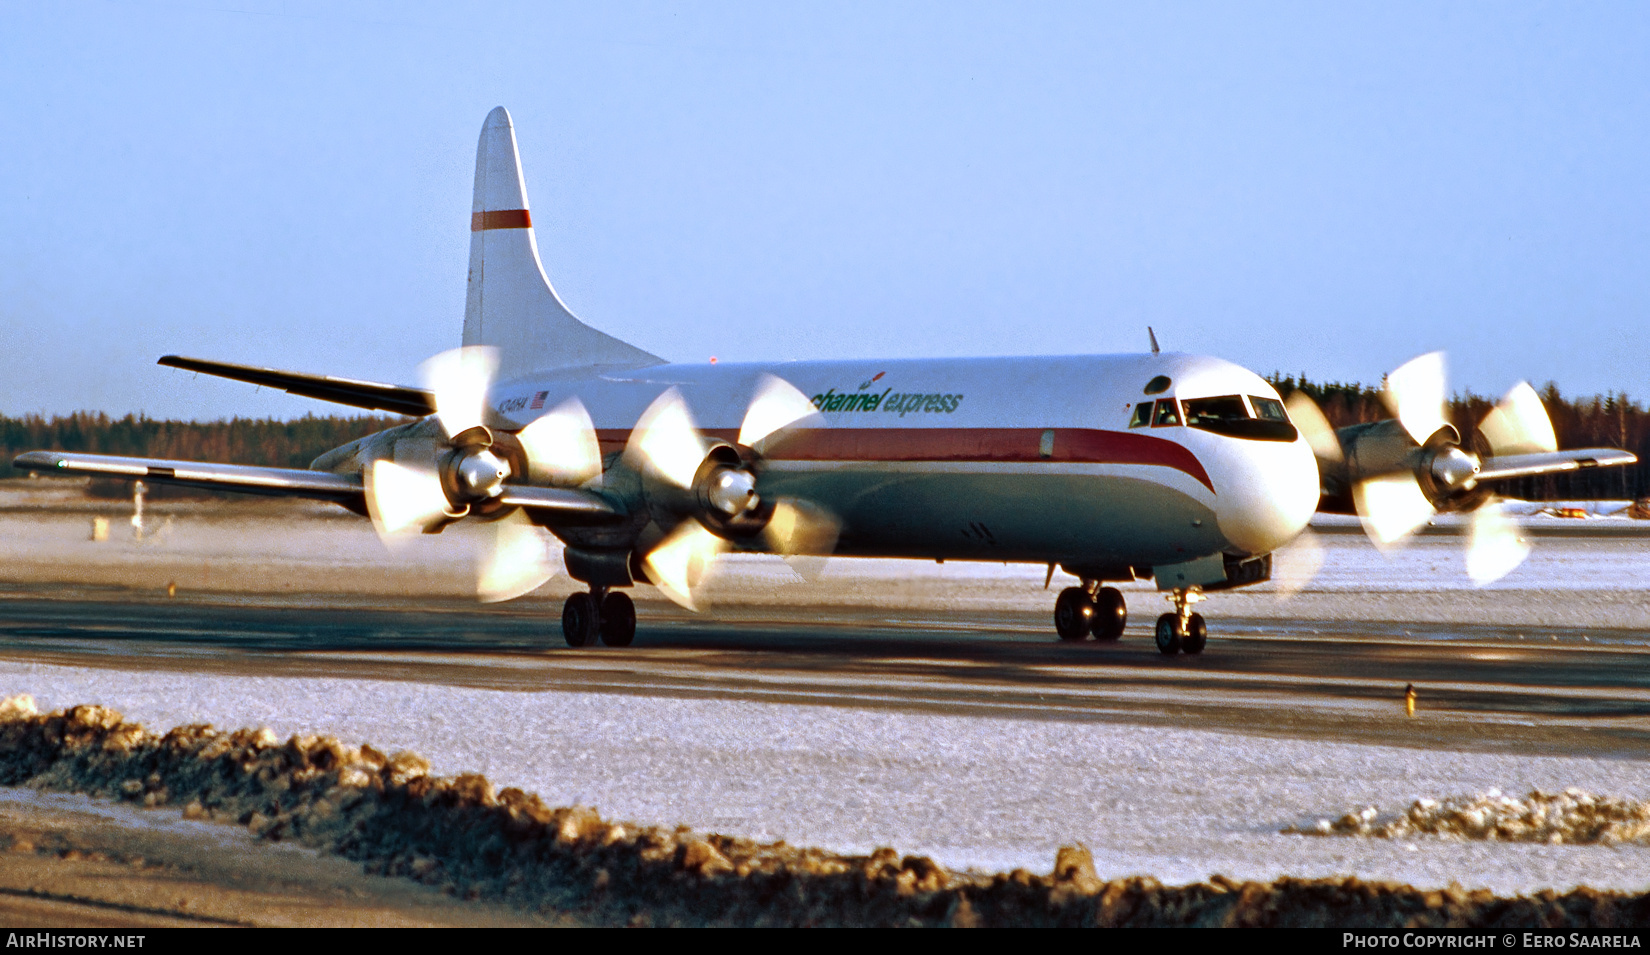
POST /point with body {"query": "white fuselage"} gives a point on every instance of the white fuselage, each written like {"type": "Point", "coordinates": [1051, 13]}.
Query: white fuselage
{"type": "Point", "coordinates": [1013, 459]}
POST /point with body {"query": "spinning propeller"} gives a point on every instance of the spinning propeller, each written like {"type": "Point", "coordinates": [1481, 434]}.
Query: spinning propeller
{"type": "Point", "coordinates": [703, 490]}
{"type": "Point", "coordinates": [708, 489]}
{"type": "Point", "coordinates": [438, 482]}
{"type": "Point", "coordinates": [1402, 473]}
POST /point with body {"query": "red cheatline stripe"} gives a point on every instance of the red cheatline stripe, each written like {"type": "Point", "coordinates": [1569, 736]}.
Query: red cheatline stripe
{"type": "Point", "coordinates": [1071, 445]}
{"type": "Point", "coordinates": [500, 219]}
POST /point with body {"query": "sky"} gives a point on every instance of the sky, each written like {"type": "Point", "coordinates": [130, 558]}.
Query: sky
{"type": "Point", "coordinates": [1327, 189]}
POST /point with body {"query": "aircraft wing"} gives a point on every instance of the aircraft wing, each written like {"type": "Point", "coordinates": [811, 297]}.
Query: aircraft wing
{"type": "Point", "coordinates": [561, 505]}
{"type": "Point", "coordinates": [1555, 462]}
{"type": "Point", "coordinates": [372, 395]}
{"type": "Point", "coordinates": [287, 482]}
{"type": "Point", "coordinates": [555, 505]}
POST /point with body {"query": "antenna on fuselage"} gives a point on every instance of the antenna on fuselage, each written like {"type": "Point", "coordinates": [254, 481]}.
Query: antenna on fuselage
{"type": "Point", "coordinates": [1153, 336]}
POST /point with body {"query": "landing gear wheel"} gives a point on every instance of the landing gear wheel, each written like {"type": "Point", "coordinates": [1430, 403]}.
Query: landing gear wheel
{"type": "Point", "coordinates": [1110, 614]}
{"type": "Point", "coordinates": [1073, 613]}
{"type": "Point", "coordinates": [580, 620]}
{"type": "Point", "coordinates": [1168, 634]}
{"type": "Point", "coordinates": [1197, 634]}
{"type": "Point", "coordinates": [618, 620]}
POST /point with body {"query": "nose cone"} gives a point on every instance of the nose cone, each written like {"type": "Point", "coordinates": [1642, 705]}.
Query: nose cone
{"type": "Point", "coordinates": [1266, 493]}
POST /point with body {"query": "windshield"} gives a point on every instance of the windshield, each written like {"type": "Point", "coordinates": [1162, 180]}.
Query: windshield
{"type": "Point", "coordinates": [1268, 409]}
{"type": "Point", "coordinates": [1229, 415]}
{"type": "Point", "coordinates": [1210, 412]}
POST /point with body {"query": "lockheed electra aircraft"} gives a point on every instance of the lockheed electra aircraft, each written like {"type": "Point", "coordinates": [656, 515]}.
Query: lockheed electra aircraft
{"type": "Point", "coordinates": [1181, 469]}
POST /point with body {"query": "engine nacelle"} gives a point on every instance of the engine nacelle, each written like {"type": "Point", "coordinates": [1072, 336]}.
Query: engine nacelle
{"type": "Point", "coordinates": [1445, 471]}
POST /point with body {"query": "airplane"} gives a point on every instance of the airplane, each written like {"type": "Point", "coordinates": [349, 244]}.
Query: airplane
{"type": "Point", "coordinates": [1186, 470]}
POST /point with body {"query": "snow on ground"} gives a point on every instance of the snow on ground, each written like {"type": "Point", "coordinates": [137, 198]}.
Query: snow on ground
{"type": "Point", "coordinates": [995, 794]}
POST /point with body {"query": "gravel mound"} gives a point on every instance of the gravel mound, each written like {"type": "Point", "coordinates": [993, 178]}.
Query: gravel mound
{"type": "Point", "coordinates": [1572, 816]}
{"type": "Point", "coordinates": [389, 813]}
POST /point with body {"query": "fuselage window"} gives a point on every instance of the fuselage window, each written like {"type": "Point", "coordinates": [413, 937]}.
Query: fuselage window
{"type": "Point", "coordinates": [1268, 409]}
{"type": "Point", "coordinates": [1211, 413]}
{"type": "Point", "coordinates": [1166, 414]}
{"type": "Point", "coordinates": [1142, 415]}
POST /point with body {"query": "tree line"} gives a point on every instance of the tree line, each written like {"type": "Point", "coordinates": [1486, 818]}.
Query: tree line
{"type": "Point", "coordinates": [261, 441]}
{"type": "Point", "coordinates": [1596, 421]}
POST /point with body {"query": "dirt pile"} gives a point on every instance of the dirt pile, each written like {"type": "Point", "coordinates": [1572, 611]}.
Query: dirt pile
{"type": "Point", "coordinates": [1572, 816]}
{"type": "Point", "coordinates": [389, 813]}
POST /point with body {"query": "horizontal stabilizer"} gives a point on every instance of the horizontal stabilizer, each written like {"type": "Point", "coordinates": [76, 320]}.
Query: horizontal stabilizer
{"type": "Point", "coordinates": [371, 395]}
{"type": "Point", "coordinates": [1553, 462]}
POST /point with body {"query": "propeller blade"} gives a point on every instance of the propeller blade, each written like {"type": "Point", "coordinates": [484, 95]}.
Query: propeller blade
{"type": "Point", "coordinates": [665, 441]}
{"type": "Point", "coordinates": [1494, 548]}
{"type": "Point", "coordinates": [1296, 565]}
{"type": "Point", "coordinates": [460, 380]}
{"type": "Point", "coordinates": [1415, 393]}
{"type": "Point", "coordinates": [561, 446]}
{"type": "Point", "coordinates": [1519, 424]}
{"type": "Point", "coordinates": [1314, 427]}
{"type": "Point", "coordinates": [1392, 507]}
{"type": "Point", "coordinates": [401, 499]}
{"type": "Point", "coordinates": [804, 534]}
{"type": "Point", "coordinates": [810, 567]}
{"type": "Point", "coordinates": [512, 560]}
{"type": "Point", "coordinates": [679, 564]}
{"type": "Point", "coordinates": [777, 406]}
{"type": "Point", "coordinates": [800, 528]}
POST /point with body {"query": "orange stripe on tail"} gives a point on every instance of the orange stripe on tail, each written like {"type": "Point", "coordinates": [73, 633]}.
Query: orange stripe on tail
{"type": "Point", "coordinates": [500, 219]}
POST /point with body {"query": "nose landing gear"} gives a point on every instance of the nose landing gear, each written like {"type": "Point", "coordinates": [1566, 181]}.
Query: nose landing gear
{"type": "Point", "coordinates": [1091, 608]}
{"type": "Point", "coordinates": [1182, 630]}
{"type": "Point", "coordinates": [604, 614]}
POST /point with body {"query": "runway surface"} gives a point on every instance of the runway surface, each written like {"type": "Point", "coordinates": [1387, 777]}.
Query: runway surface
{"type": "Point", "coordinates": [1493, 688]}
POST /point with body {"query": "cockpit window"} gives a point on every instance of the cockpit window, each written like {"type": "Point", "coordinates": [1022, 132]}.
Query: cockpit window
{"type": "Point", "coordinates": [1158, 385]}
{"type": "Point", "coordinates": [1166, 414]}
{"type": "Point", "coordinates": [1268, 409]}
{"type": "Point", "coordinates": [1228, 415]}
{"type": "Point", "coordinates": [1142, 415]}
{"type": "Point", "coordinates": [1212, 412]}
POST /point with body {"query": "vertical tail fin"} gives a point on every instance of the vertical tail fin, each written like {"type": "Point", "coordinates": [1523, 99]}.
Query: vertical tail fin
{"type": "Point", "coordinates": [511, 304]}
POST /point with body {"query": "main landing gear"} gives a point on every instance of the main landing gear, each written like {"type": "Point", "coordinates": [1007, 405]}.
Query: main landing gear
{"type": "Point", "coordinates": [609, 615]}
{"type": "Point", "coordinates": [1091, 608]}
{"type": "Point", "coordinates": [1182, 631]}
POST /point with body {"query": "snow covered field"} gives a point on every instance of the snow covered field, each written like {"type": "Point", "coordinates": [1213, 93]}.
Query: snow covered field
{"type": "Point", "coordinates": [1179, 805]}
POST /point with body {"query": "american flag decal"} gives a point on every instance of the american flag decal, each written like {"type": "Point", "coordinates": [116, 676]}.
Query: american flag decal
{"type": "Point", "coordinates": [538, 401]}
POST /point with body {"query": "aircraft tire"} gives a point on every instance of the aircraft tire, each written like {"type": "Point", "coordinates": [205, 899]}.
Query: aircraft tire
{"type": "Point", "coordinates": [1197, 634]}
{"type": "Point", "coordinates": [1073, 614]}
{"type": "Point", "coordinates": [1111, 614]}
{"type": "Point", "coordinates": [1168, 635]}
{"type": "Point", "coordinates": [618, 620]}
{"type": "Point", "coordinates": [580, 621]}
